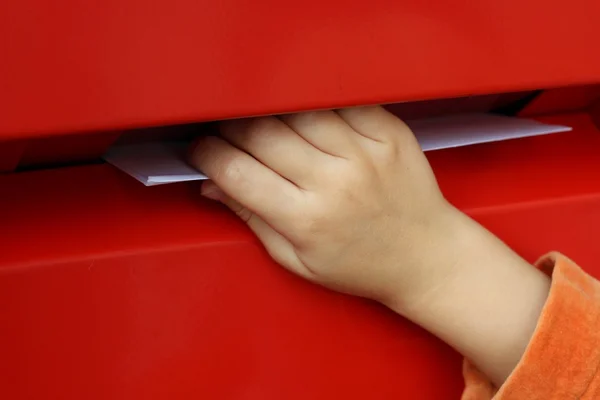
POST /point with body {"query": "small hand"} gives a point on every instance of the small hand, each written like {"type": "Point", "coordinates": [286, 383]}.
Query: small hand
{"type": "Point", "coordinates": [345, 199]}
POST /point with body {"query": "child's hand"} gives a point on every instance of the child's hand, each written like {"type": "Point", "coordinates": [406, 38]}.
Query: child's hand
{"type": "Point", "coordinates": [346, 199]}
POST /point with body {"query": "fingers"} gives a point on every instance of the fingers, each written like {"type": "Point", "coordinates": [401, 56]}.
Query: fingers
{"type": "Point", "coordinates": [278, 247]}
{"type": "Point", "coordinates": [275, 145]}
{"type": "Point", "coordinates": [376, 123]}
{"type": "Point", "coordinates": [325, 130]}
{"type": "Point", "coordinates": [247, 180]}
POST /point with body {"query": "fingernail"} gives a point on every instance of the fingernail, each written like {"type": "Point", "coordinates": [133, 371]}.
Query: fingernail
{"type": "Point", "coordinates": [211, 191]}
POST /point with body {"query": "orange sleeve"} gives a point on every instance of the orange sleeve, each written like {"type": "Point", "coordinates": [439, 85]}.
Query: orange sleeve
{"type": "Point", "coordinates": [562, 360]}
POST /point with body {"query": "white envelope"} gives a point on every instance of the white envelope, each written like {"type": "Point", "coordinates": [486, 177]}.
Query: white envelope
{"type": "Point", "coordinates": [164, 162]}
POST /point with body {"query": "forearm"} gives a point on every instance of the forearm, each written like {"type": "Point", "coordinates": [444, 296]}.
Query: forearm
{"type": "Point", "coordinates": [483, 299]}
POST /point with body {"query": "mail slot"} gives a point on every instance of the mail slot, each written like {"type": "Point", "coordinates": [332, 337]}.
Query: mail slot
{"type": "Point", "coordinates": [110, 289]}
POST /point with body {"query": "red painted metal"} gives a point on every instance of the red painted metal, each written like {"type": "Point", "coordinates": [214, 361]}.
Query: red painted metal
{"type": "Point", "coordinates": [79, 65]}
{"type": "Point", "coordinates": [112, 290]}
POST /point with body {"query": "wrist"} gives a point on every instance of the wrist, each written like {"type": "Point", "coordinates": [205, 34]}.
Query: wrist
{"type": "Point", "coordinates": [437, 260]}
{"type": "Point", "coordinates": [477, 295]}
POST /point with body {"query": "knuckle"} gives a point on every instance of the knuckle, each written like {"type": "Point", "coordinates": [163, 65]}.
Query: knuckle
{"type": "Point", "coordinates": [259, 132]}
{"type": "Point", "coordinates": [200, 150]}
{"type": "Point", "coordinates": [390, 152]}
{"type": "Point", "coordinates": [354, 177]}
{"type": "Point", "coordinates": [307, 119]}
{"type": "Point", "coordinates": [370, 114]}
{"type": "Point", "coordinates": [248, 130]}
{"type": "Point", "coordinates": [365, 111]}
{"type": "Point", "coordinates": [312, 226]}
{"type": "Point", "coordinates": [354, 188]}
{"type": "Point", "coordinates": [262, 126]}
{"type": "Point", "coordinates": [204, 155]}
{"type": "Point", "coordinates": [229, 170]}
{"type": "Point", "coordinates": [403, 134]}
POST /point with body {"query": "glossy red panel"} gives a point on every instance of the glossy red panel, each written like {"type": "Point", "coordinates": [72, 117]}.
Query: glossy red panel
{"type": "Point", "coordinates": [112, 290]}
{"type": "Point", "coordinates": [78, 65]}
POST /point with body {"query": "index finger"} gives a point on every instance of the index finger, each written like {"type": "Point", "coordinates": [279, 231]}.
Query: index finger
{"type": "Point", "coordinates": [247, 181]}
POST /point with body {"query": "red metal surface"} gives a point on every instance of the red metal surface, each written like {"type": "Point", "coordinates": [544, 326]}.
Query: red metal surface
{"type": "Point", "coordinates": [111, 290]}
{"type": "Point", "coordinates": [70, 148]}
{"type": "Point", "coordinates": [595, 112]}
{"type": "Point", "coordinates": [10, 154]}
{"type": "Point", "coordinates": [76, 65]}
{"type": "Point", "coordinates": [567, 99]}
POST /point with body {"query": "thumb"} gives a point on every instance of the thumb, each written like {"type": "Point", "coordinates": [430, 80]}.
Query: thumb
{"type": "Point", "coordinates": [278, 247]}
